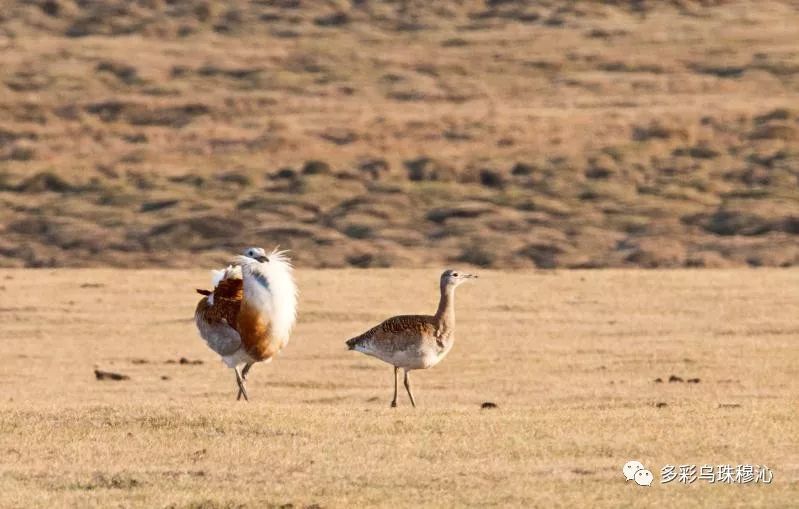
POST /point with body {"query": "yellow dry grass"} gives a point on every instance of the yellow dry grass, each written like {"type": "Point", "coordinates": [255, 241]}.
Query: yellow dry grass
{"type": "Point", "coordinates": [570, 358]}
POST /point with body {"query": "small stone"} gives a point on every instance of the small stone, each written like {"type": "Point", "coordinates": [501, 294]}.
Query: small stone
{"type": "Point", "coordinates": [108, 375]}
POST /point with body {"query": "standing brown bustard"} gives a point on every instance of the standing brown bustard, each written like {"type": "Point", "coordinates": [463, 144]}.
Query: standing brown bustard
{"type": "Point", "coordinates": [415, 341]}
{"type": "Point", "coordinates": [249, 315]}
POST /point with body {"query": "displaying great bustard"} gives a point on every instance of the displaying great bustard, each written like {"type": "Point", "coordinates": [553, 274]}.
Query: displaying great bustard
{"type": "Point", "coordinates": [415, 341]}
{"type": "Point", "coordinates": [249, 315]}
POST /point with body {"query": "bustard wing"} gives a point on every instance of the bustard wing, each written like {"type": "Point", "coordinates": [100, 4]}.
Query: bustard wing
{"type": "Point", "coordinates": [396, 333]}
{"type": "Point", "coordinates": [217, 315]}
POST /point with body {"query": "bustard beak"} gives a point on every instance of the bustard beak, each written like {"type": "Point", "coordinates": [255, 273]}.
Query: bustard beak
{"type": "Point", "coordinates": [262, 258]}
{"type": "Point", "coordinates": [469, 276]}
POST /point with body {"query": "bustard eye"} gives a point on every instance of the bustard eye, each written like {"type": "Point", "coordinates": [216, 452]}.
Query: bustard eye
{"type": "Point", "coordinates": [455, 274]}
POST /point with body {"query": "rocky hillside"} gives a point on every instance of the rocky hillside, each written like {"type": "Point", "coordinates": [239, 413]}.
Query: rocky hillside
{"type": "Point", "coordinates": [498, 133]}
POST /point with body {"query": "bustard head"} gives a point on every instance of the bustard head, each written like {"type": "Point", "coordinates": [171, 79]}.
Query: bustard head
{"type": "Point", "coordinates": [451, 278]}
{"type": "Point", "coordinates": [256, 253]}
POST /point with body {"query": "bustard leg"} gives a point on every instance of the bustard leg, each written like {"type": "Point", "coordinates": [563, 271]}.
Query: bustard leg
{"type": "Point", "coordinates": [396, 382]}
{"type": "Point", "coordinates": [242, 388]}
{"type": "Point", "coordinates": [244, 379]}
{"type": "Point", "coordinates": [408, 388]}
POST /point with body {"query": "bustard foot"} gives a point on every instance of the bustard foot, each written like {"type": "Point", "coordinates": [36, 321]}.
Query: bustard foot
{"type": "Point", "coordinates": [408, 388]}
{"type": "Point", "coordinates": [394, 401]}
{"type": "Point", "coordinates": [242, 387]}
{"type": "Point", "coordinates": [242, 392]}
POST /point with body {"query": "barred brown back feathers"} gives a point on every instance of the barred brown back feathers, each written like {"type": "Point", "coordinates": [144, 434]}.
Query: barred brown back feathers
{"type": "Point", "coordinates": [227, 298]}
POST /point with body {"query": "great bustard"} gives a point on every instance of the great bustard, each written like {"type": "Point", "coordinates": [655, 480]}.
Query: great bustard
{"type": "Point", "coordinates": [249, 315]}
{"type": "Point", "coordinates": [415, 341]}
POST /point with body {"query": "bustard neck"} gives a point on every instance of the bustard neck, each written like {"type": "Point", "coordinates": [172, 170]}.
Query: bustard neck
{"type": "Point", "coordinates": [445, 315]}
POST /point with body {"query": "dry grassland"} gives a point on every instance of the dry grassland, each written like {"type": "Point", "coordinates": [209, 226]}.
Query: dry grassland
{"type": "Point", "coordinates": [570, 358]}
